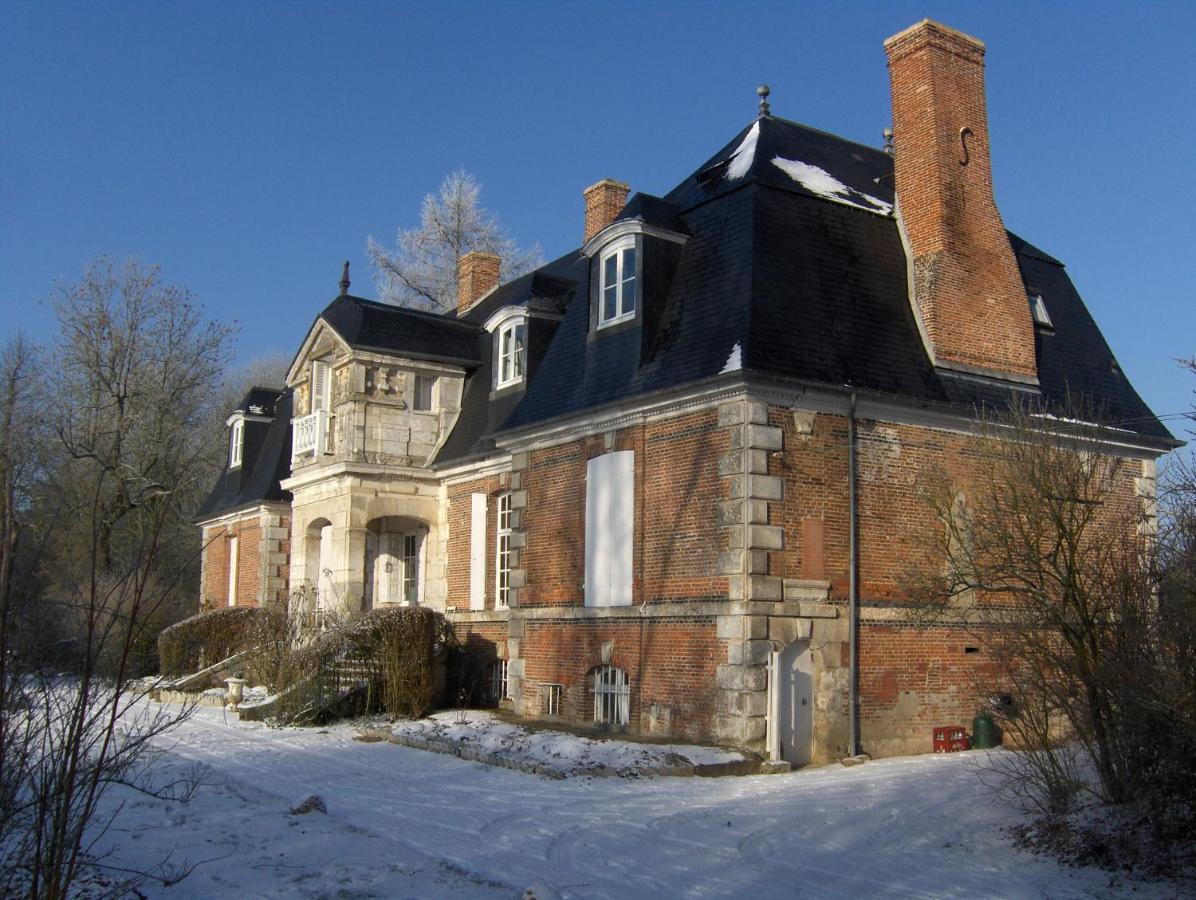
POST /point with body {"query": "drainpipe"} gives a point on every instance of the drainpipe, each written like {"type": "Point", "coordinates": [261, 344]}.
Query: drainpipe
{"type": "Point", "coordinates": [853, 587]}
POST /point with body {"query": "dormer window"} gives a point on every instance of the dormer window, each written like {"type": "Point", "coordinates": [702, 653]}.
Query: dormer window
{"type": "Point", "coordinates": [236, 443]}
{"type": "Point", "coordinates": [422, 399]}
{"type": "Point", "coordinates": [1039, 310]}
{"type": "Point", "coordinates": [618, 284]}
{"type": "Point", "coordinates": [512, 353]}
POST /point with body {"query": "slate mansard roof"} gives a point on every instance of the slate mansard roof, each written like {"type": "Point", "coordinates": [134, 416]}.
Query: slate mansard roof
{"type": "Point", "coordinates": [790, 269]}
{"type": "Point", "coordinates": [793, 270]}
{"type": "Point", "coordinates": [265, 457]}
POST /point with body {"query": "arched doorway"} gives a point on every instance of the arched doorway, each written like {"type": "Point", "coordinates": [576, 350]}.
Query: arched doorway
{"type": "Point", "coordinates": [792, 705]}
{"type": "Point", "coordinates": [318, 564]}
{"type": "Point", "coordinates": [394, 551]}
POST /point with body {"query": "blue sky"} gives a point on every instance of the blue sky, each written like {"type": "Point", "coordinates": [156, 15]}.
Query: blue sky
{"type": "Point", "coordinates": [249, 148]}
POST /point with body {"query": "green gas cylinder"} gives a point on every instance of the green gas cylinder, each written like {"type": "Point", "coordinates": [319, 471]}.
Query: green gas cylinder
{"type": "Point", "coordinates": [984, 731]}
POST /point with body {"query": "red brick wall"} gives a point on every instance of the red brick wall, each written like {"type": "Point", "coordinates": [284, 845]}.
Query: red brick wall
{"type": "Point", "coordinates": [676, 540]}
{"type": "Point", "coordinates": [214, 591]}
{"type": "Point", "coordinates": [460, 531]}
{"type": "Point", "coordinates": [670, 663]}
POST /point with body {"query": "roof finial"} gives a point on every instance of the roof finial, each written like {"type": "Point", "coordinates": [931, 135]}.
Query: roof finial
{"type": "Point", "coordinates": [345, 278]}
{"type": "Point", "coordinates": [762, 92]}
{"type": "Point", "coordinates": [888, 133]}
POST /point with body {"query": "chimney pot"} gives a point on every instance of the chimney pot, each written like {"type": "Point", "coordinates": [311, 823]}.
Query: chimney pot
{"type": "Point", "coordinates": [477, 274]}
{"type": "Point", "coordinates": [604, 201]}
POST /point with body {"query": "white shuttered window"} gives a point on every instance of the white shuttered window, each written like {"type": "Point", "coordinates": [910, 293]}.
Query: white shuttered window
{"type": "Point", "coordinates": [610, 510]}
{"type": "Point", "coordinates": [321, 386]}
{"type": "Point", "coordinates": [477, 551]}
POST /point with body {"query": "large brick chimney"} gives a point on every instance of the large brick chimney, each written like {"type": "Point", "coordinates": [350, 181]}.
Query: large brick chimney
{"type": "Point", "coordinates": [966, 283]}
{"type": "Point", "coordinates": [477, 273]}
{"type": "Point", "coordinates": [604, 201]}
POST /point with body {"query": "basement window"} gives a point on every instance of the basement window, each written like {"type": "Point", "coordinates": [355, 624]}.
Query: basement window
{"type": "Point", "coordinates": [612, 696]}
{"type": "Point", "coordinates": [1038, 308]}
{"type": "Point", "coordinates": [499, 684]}
{"type": "Point", "coordinates": [551, 696]}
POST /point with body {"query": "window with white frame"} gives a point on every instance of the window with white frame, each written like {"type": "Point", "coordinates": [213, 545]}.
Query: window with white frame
{"type": "Point", "coordinates": [512, 352]}
{"type": "Point", "coordinates": [236, 441]}
{"type": "Point", "coordinates": [610, 512]}
{"type": "Point", "coordinates": [499, 687]}
{"type": "Point", "coordinates": [421, 400]}
{"type": "Point", "coordinates": [502, 565]}
{"type": "Point", "coordinates": [550, 694]}
{"type": "Point", "coordinates": [1038, 308]}
{"type": "Point", "coordinates": [617, 283]}
{"type": "Point", "coordinates": [612, 696]}
{"type": "Point", "coordinates": [411, 569]}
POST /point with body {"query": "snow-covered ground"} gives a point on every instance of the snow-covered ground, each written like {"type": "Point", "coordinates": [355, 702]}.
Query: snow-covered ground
{"type": "Point", "coordinates": [408, 823]}
{"type": "Point", "coordinates": [481, 734]}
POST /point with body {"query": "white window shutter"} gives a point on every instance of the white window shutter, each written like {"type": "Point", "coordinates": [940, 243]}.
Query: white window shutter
{"type": "Point", "coordinates": [477, 552]}
{"type": "Point", "coordinates": [622, 525]}
{"type": "Point", "coordinates": [319, 386]}
{"type": "Point", "coordinates": [232, 571]}
{"type": "Point", "coordinates": [610, 519]}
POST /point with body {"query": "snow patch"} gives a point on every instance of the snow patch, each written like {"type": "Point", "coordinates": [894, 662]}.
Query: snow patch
{"type": "Point", "coordinates": [741, 160]}
{"type": "Point", "coordinates": [1064, 419]}
{"type": "Point", "coordinates": [556, 752]}
{"type": "Point", "coordinates": [734, 361]}
{"type": "Point", "coordinates": [824, 184]}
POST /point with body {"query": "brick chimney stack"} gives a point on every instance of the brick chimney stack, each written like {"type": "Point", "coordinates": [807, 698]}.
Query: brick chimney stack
{"type": "Point", "coordinates": [966, 283]}
{"type": "Point", "coordinates": [604, 201]}
{"type": "Point", "coordinates": [477, 273]}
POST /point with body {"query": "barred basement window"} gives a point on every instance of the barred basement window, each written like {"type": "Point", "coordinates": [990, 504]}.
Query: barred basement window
{"type": "Point", "coordinates": [551, 693]}
{"type": "Point", "coordinates": [498, 680]}
{"type": "Point", "coordinates": [612, 696]}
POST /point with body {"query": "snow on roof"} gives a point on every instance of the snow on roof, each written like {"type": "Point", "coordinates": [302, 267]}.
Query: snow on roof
{"type": "Point", "coordinates": [740, 162]}
{"type": "Point", "coordinates": [734, 361]}
{"type": "Point", "coordinates": [824, 184]}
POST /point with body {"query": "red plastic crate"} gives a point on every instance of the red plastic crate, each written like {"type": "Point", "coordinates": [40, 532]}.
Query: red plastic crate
{"type": "Point", "coordinates": [951, 738]}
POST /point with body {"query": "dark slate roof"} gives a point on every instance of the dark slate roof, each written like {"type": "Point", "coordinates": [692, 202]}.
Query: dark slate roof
{"type": "Point", "coordinates": [805, 276]}
{"type": "Point", "coordinates": [653, 211]}
{"type": "Point", "coordinates": [267, 461]}
{"type": "Point", "coordinates": [369, 325]}
{"type": "Point", "coordinates": [260, 401]}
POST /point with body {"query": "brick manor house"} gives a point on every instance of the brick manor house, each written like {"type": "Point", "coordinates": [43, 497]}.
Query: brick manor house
{"type": "Point", "coordinates": [668, 480]}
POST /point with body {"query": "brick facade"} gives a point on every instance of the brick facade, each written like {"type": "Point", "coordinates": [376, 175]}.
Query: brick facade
{"type": "Point", "coordinates": [263, 558]}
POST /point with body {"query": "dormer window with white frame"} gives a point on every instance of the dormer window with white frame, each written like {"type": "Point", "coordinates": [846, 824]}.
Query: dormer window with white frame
{"type": "Point", "coordinates": [1038, 308]}
{"type": "Point", "coordinates": [236, 443]}
{"type": "Point", "coordinates": [618, 285]}
{"type": "Point", "coordinates": [512, 353]}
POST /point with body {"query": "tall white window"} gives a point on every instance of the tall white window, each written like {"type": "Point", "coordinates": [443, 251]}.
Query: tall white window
{"type": "Point", "coordinates": [612, 696]}
{"type": "Point", "coordinates": [512, 355]}
{"type": "Point", "coordinates": [610, 522]}
{"type": "Point", "coordinates": [232, 571]}
{"type": "Point", "coordinates": [502, 593]}
{"type": "Point", "coordinates": [422, 399]}
{"type": "Point", "coordinates": [236, 441]}
{"type": "Point", "coordinates": [618, 284]}
{"type": "Point", "coordinates": [410, 569]}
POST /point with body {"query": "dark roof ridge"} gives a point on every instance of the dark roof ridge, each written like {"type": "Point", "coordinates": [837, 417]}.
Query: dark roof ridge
{"type": "Point", "coordinates": [831, 134]}
{"type": "Point", "coordinates": [379, 304]}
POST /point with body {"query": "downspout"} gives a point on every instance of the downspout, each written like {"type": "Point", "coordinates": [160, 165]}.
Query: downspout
{"type": "Point", "coordinates": [853, 587]}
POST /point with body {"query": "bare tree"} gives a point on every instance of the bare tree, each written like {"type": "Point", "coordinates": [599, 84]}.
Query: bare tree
{"type": "Point", "coordinates": [1048, 552]}
{"type": "Point", "coordinates": [129, 386]}
{"type": "Point", "coordinates": [421, 272]}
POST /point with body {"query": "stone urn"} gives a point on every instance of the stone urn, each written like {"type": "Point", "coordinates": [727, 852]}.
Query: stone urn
{"type": "Point", "coordinates": [236, 691]}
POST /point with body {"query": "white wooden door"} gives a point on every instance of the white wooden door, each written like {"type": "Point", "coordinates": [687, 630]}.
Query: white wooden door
{"type": "Point", "coordinates": [795, 686]}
